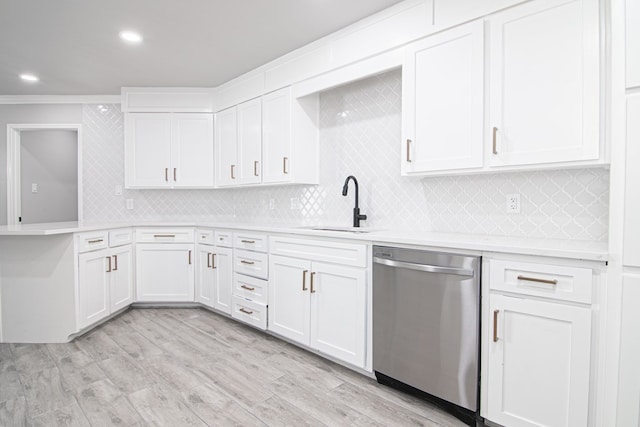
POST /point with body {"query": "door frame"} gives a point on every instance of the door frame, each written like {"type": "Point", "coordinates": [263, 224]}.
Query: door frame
{"type": "Point", "coordinates": [14, 205]}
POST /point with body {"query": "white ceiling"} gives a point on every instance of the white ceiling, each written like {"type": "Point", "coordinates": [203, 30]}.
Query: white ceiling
{"type": "Point", "coordinates": [73, 45]}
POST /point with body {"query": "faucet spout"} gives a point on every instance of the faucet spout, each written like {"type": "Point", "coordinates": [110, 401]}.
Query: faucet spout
{"type": "Point", "coordinates": [357, 217]}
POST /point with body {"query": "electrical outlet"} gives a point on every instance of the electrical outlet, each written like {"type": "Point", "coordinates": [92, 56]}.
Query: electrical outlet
{"type": "Point", "coordinates": [295, 203]}
{"type": "Point", "coordinates": [34, 188]}
{"type": "Point", "coordinates": [129, 204]}
{"type": "Point", "coordinates": [513, 203]}
{"type": "Point", "coordinates": [118, 190]}
{"type": "Point", "coordinates": [272, 204]}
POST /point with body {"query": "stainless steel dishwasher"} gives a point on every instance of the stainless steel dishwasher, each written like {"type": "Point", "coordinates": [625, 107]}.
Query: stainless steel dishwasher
{"type": "Point", "coordinates": [426, 326]}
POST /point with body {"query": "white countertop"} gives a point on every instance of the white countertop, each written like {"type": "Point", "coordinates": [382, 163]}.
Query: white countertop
{"type": "Point", "coordinates": [574, 249]}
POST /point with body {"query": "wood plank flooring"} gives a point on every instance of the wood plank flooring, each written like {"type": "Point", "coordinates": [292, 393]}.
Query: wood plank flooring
{"type": "Point", "coordinates": [191, 367]}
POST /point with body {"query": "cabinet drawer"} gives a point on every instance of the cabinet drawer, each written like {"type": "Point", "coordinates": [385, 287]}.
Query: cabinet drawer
{"type": "Point", "coordinates": [251, 263]}
{"type": "Point", "coordinates": [91, 241]}
{"type": "Point", "coordinates": [250, 241]}
{"type": "Point", "coordinates": [165, 235]}
{"type": "Point", "coordinates": [353, 254]}
{"type": "Point", "coordinates": [123, 236]}
{"type": "Point", "coordinates": [250, 288]}
{"type": "Point", "coordinates": [224, 239]}
{"type": "Point", "coordinates": [249, 312]}
{"type": "Point", "coordinates": [542, 280]}
{"type": "Point", "coordinates": [204, 237]}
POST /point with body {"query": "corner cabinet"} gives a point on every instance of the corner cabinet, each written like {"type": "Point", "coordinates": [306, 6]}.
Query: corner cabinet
{"type": "Point", "coordinates": [215, 277]}
{"type": "Point", "coordinates": [442, 84]}
{"type": "Point", "coordinates": [544, 96]}
{"type": "Point", "coordinates": [168, 150]}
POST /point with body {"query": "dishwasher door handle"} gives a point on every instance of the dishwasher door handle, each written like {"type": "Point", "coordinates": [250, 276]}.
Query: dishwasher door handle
{"type": "Point", "coordinates": [424, 267]}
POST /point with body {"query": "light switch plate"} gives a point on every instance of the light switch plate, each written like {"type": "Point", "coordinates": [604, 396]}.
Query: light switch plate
{"type": "Point", "coordinates": [34, 188]}
{"type": "Point", "coordinates": [118, 190]}
{"type": "Point", "coordinates": [129, 204]}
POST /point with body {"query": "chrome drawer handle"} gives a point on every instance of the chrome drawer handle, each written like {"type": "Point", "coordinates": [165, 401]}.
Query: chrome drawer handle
{"type": "Point", "coordinates": [535, 279]}
{"type": "Point", "coordinates": [248, 288]}
{"type": "Point", "coordinates": [96, 241]}
{"type": "Point", "coordinates": [247, 262]}
{"type": "Point", "coordinates": [248, 241]}
{"type": "Point", "coordinates": [164, 235]}
{"type": "Point", "coordinates": [246, 311]}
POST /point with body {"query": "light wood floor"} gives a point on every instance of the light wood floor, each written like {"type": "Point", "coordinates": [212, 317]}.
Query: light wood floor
{"type": "Point", "coordinates": [182, 367]}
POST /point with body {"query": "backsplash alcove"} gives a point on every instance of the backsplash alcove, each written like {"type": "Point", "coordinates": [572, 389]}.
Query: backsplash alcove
{"type": "Point", "coordinates": [360, 126]}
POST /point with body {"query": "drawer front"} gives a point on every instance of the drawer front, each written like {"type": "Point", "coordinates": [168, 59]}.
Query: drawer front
{"type": "Point", "coordinates": [249, 312]}
{"type": "Point", "coordinates": [253, 264]}
{"type": "Point", "coordinates": [250, 288]}
{"type": "Point", "coordinates": [91, 241]}
{"type": "Point", "coordinates": [353, 254]}
{"type": "Point", "coordinates": [542, 280]}
{"type": "Point", "coordinates": [251, 241]}
{"type": "Point", "coordinates": [165, 235]}
{"type": "Point", "coordinates": [224, 239]}
{"type": "Point", "coordinates": [122, 236]}
{"type": "Point", "coordinates": [204, 237]}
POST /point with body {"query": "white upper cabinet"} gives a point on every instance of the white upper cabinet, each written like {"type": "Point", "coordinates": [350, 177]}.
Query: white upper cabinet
{"type": "Point", "coordinates": [226, 142]}
{"type": "Point", "coordinates": [276, 136]}
{"type": "Point", "coordinates": [544, 84]}
{"type": "Point", "coordinates": [167, 150]}
{"type": "Point", "coordinates": [442, 81]}
{"type": "Point", "coordinates": [632, 11]}
{"type": "Point", "coordinates": [249, 116]}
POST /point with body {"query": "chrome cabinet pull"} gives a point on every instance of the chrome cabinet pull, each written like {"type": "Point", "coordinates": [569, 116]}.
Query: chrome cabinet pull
{"type": "Point", "coordinates": [247, 288]}
{"type": "Point", "coordinates": [109, 263]}
{"type": "Point", "coordinates": [246, 311]}
{"type": "Point", "coordinates": [255, 168]}
{"type": "Point", "coordinates": [96, 241]}
{"type": "Point", "coordinates": [495, 325]}
{"type": "Point", "coordinates": [409, 150]}
{"type": "Point", "coordinates": [247, 241]}
{"type": "Point", "coordinates": [189, 257]}
{"type": "Point", "coordinates": [495, 146]}
{"type": "Point", "coordinates": [213, 261]}
{"type": "Point", "coordinates": [535, 279]}
{"type": "Point", "coordinates": [166, 174]}
{"type": "Point", "coordinates": [115, 263]}
{"type": "Point", "coordinates": [164, 235]}
{"type": "Point", "coordinates": [285, 169]}
{"type": "Point", "coordinates": [247, 262]}
{"type": "Point", "coordinates": [304, 280]}
{"type": "Point", "coordinates": [208, 260]}
{"type": "Point", "coordinates": [312, 276]}
{"type": "Point", "coordinates": [233, 167]}
{"type": "Point", "coordinates": [175, 171]}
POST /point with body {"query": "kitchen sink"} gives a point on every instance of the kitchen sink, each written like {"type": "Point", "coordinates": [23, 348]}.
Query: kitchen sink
{"type": "Point", "coordinates": [341, 229]}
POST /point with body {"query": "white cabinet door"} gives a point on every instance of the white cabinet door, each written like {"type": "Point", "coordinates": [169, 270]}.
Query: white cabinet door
{"type": "Point", "coordinates": [206, 276]}
{"type": "Point", "coordinates": [93, 287]}
{"type": "Point", "coordinates": [276, 137]}
{"type": "Point", "coordinates": [442, 82]}
{"type": "Point", "coordinates": [121, 277]}
{"type": "Point", "coordinates": [632, 14]}
{"type": "Point", "coordinates": [289, 298]}
{"type": "Point", "coordinates": [147, 149]}
{"type": "Point", "coordinates": [544, 87]}
{"type": "Point", "coordinates": [632, 194]}
{"type": "Point", "coordinates": [538, 363]}
{"type": "Point", "coordinates": [338, 311]}
{"type": "Point", "coordinates": [249, 115]}
{"type": "Point", "coordinates": [164, 272]}
{"type": "Point", "coordinates": [192, 150]}
{"type": "Point", "coordinates": [222, 265]}
{"type": "Point", "coordinates": [226, 137]}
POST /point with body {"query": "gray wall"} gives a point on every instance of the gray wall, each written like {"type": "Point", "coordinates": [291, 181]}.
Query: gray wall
{"type": "Point", "coordinates": [49, 158]}
{"type": "Point", "coordinates": [14, 114]}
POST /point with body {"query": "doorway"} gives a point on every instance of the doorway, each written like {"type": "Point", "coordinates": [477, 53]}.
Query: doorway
{"type": "Point", "coordinates": [43, 174]}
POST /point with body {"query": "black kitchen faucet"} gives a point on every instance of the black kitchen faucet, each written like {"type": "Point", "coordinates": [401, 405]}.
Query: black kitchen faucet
{"type": "Point", "coordinates": [356, 211]}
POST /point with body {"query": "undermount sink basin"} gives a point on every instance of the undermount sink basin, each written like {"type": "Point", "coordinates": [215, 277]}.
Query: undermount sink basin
{"type": "Point", "coordinates": [341, 229]}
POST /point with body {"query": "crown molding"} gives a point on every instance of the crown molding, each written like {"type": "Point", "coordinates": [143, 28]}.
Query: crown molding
{"type": "Point", "coordinates": [60, 99]}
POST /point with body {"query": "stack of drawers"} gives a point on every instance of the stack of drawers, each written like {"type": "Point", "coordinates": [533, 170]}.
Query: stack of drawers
{"type": "Point", "coordinates": [250, 278]}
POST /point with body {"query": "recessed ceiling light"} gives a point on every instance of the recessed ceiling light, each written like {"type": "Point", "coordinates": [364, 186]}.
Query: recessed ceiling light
{"type": "Point", "coordinates": [29, 77]}
{"type": "Point", "coordinates": [131, 36]}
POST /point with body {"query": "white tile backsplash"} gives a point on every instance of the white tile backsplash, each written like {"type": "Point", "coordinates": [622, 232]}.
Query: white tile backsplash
{"type": "Point", "coordinates": [359, 135]}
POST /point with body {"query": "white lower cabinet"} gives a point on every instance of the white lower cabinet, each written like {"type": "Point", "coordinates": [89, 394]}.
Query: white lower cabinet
{"type": "Point", "coordinates": [105, 283]}
{"type": "Point", "coordinates": [214, 281]}
{"type": "Point", "coordinates": [320, 305]}
{"type": "Point", "coordinates": [538, 362]}
{"type": "Point", "coordinates": [165, 272]}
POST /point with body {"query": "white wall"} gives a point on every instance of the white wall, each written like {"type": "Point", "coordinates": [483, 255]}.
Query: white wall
{"type": "Point", "coordinates": [13, 114]}
{"type": "Point", "coordinates": [49, 159]}
{"type": "Point", "coordinates": [360, 134]}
